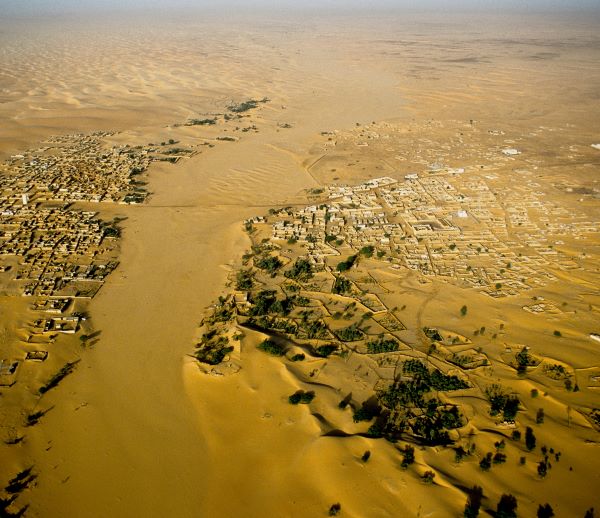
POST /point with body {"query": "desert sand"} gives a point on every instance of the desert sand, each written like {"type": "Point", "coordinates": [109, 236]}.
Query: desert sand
{"type": "Point", "coordinates": [137, 429]}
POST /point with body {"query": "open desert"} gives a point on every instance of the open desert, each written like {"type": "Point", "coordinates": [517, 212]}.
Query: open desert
{"type": "Point", "coordinates": [224, 131]}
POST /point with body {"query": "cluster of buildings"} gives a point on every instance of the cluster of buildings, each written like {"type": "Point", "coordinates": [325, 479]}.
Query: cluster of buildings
{"type": "Point", "coordinates": [472, 229]}
{"type": "Point", "coordinates": [50, 250]}
{"type": "Point", "coordinates": [76, 168]}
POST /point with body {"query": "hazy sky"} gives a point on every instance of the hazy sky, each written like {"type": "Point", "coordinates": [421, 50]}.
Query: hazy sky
{"type": "Point", "coordinates": [59, 6]}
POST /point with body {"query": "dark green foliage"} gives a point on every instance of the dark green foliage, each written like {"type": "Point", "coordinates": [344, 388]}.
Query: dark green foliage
{"type": "Point", "coordinates": [432, 428]}
{"type": "Point", "coordinates": [557, 333]}
{"type": "Point", "coordinates": [268, 263]}
{"type": "Point", "coordinates": [542, 468]}
{"type": "Point", "coordinates": [502, 402]}
{"type": "Point", "coordinates": [272, 348]}
{"type": "Point", "coordinates": [367, 251]}
{"type": "Point", "coordinates": [265, 302]}
{"type": "Point", "coordinates": [347, 264]}
{"type": "Point", "coordinates": [545, 511]}
{"type": "Point", "coordinates": [433, 333]}
{"type": "Point", "coordinates": [463, 311]}
{"type": "Point", "coordinates": [473, 504]}
{"type": "Point", "coordinates": [428, 477]}
{"type": "Point", "coordinates": [365, 413]}
{"type": "Point", "coordinates": [408, 456]}
{"type": "Point", "coordinates": [524, 360]}
{"type": "Point", "coordinates": [312, 328]}
{"type": "Point", "coordinates": [349, 334]}
{"type": "Point", "coordinates": [213, 348]}
{"type": "Point", "coordinates": [294, 399]}
{"type": "Point", "coordinates": [434, 379]}
{"type": "Point", "coordinates": [366, 456]}
{"type": "Point", "coordinates": [301, 301]}
{"type": "Point", "coordinates": [530, 439]}
{"type": "Point", "coordinates": [341, 286]}
{"type": "Point", "coordinates": [459, 454]}
{"type": "Point", "coordinates": [298, 357]}
{"type": "Point", "coordinates": [301, 270]}
{"type": "Point", "coordinates": [67, 369]}
{"type": "Point", "coordinates": [246, 105]}
{"type": "Point", "coordinates": [403, 396]}
{"type": "Point", "coordinates": [201, 122]}
{"type": "Point", "coordinates": [330, 239]}
{"type": "Point", "coordinates": [383, 345]}
{"type": "Point", "coordinates": [335, 509]}
{"type": "Point", "coordinates": [499, 458]}
{"type": "Point", "coordinates": [486, 462]}
{"type": "Point", "coordinates": [539, 417]}
{"type": "Point", "coordinates": [589, 513]}
{"type": "Point", "coordinates": [244, 280]}
{"type": "Point", "coordinates": [33, 419]}
{"type": "Point", "coordinates": [323, 351]}
{"type": "Point", "coordinates": [507, 507]}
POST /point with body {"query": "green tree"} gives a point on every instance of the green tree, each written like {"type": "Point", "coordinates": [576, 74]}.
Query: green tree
{"type": "Point", "coordinates": [530, 439]}
{"type": "Point", "coordinates": [507, 507]}
{"type": "Point", "coordinates": [473, 504]}
{"type": "Point", "coordinates": [545, 511]}
{"type": "Point", "coordinates": [463, 311]}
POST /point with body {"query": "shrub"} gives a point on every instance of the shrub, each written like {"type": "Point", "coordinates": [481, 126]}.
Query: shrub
{"type": "Point", "coordinates": [382, 345]}
{"type": "Point", "coordinates": [324, 351]}
{"type": "Point", "coordinates": [298, 357]}
{"type": "Point", "coordinates": [347, 264]}
{"type": "Point", "coordinates": [268, 263]}
{"type": "Point", "coordinates": [428, 477]}
{"type": "Point", "coordinates": [366, 456]}
{"type": "Point", "coordinates": [272, 348]}
{"type": "Point", "coordinates": [507, 507]}
{"type": "Point", "coordinates": [539, 418]}
{"type": "Point", "coordinates": [244, 280]}
{"type": "Point", "coordinates": [545, 511]}
{"type": "Point", "coordinates": [301, 270]}
{"type": "Point", "coordinates": [473, 502]}
{"type": "Point", "coordinates": [463, 311]}
{"type": "Point", "coordinates": [367, 251]}
{"type": "Point", "coordinates": [486, 462]}
{"type": "Point", "coordinates": [530, 439]}
{"type": "Point", "coordinates": [499, 458]}
{"type": "Point", "coordinates": [408, 456]}
{"type": "Point", "coordinates": [335, 509]}
{"type": "Point", "coordinates": [341, 286]}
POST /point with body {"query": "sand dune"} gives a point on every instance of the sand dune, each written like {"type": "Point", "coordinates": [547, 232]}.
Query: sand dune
{"type": "Point", "coordinates": [137, 430]}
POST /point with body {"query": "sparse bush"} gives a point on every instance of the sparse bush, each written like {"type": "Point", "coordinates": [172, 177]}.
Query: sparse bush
{"type": "Point", "coordinates": [298, 357]}
{"type": "Point", "coordinates": [335, 509]}
{"type": "Point", "coordinates": [530, 439]}
{"type": "Point", "coordinates": [539, 418]}
{"type": "Point", "coordinates": [428, 477]}
{"type": "Point", "coordinates": [486, 462]}
{"type": "Point", "coordinates": [408, 456]}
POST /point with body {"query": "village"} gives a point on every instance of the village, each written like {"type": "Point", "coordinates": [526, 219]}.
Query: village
{"type": "Point", "coordinates": [53, 249]}
{"type": "Point", "coordinates": [442, 224]}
